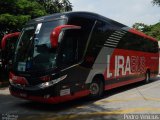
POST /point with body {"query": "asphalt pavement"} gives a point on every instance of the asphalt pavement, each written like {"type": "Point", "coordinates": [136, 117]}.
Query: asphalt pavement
{"type": "Point", "coordinates": [136, 101]}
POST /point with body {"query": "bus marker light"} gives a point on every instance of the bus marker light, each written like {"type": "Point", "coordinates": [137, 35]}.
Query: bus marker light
{"type": "Point", "coordinates": [45, 78]}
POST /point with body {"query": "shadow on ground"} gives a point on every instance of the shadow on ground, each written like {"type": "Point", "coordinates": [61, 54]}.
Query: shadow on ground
{"type": "Point", "coordinates": [83, 108]}
{"type": "Point", "coordinates": [4, 78]}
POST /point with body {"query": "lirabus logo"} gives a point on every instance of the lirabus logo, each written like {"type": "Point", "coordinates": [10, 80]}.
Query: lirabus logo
{"type": "Point", "coordinates": [125, 65]}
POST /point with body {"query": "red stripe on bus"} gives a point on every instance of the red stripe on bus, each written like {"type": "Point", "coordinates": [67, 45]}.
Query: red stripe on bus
{"type": "Point", "coordinates": [53, 100]}
{"type": "Point", "coordinates": [134, 31]}
{"type": "Point", "coordinates": [111, 86]}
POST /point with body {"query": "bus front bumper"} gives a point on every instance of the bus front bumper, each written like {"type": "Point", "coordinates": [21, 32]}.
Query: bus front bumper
{"type": "Point", "coordinates": [47, 98]}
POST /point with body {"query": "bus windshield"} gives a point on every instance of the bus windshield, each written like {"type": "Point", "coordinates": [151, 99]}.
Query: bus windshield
{"type": "Point", "coordinates": [34, 52]}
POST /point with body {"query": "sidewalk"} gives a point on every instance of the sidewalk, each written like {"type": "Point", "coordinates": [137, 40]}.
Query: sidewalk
{"type": "Point", "coordinates": [4, 91]}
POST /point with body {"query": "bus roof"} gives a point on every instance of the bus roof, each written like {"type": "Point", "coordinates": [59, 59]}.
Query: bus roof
{"type": "Point", "coordinates": [88, 15]}
{"type": "Point", "coordinates": [134, 31]}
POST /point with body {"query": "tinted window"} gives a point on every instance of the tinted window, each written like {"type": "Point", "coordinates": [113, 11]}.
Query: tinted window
{"type": "Point", "coordinates": [86, 27]}
{"type": "Point", "coordinates": [101, 31]}
{"type": "Point", "coordinates": [97, 37]}
{"type": "Point", "coordinates": [70, 50]}
{"type": "Point", "coordinates": [134, 42]}
{"type": "Point", "coordinates": [33, 51]}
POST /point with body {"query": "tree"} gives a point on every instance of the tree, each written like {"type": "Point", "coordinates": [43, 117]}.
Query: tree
{"type": "Point", "coordinates": [54, 6]}
{"type": "Point", "coordinates": [151, 30]}
{"type": "Point", "coordinates": [156, 2]}
{"type": "Point", "coordinates": [141, 27]}
{"type": "Point", "coordinates": [15, 13]}
{"type": "Point", "coordinates": [154, 31]}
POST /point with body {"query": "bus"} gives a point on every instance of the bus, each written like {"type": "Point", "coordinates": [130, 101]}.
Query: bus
{"type": "Point", "coordinates": [69, 55]}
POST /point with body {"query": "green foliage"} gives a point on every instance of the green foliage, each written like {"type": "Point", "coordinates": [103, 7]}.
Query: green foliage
{"type": "Point", "coordinates": [141, 27]}
{"type": "Point", "coordinates": [151, 30]}
{"type": "Point", "coordinates": [12, 21]}
{"type": "Point", "coordinates": [54, 6]}
{"type": "Point", "coordinates": [15, 13]}
{"type": "Point", "coordinates": [156, 2]}
{"type": "Point", "coordinates": [154, 31]}
{"type": "Point", "coordinates": [33, 8]}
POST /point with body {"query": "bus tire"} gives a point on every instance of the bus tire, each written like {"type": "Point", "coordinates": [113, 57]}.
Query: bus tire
{"type": "Point", "coordinates": [96, 88]}
{"type": "Point", "coordinates": [147, 77]}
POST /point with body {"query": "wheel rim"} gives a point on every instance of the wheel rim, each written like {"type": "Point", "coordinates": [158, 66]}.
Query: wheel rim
{"type": "Point", "coordinates": [94, 88]}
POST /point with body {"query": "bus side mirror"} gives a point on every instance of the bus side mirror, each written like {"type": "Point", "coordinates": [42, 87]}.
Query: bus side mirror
{"type": "Point", "coordinates": [6, 37]}
{"type": "Point", "coordinates": [55, 34]}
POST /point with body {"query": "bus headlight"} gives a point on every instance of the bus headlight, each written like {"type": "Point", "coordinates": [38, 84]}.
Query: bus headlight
{"type": "Point", "coordinates": [52, 82]}
{"type": "Point", "coordinates": [44, 85]}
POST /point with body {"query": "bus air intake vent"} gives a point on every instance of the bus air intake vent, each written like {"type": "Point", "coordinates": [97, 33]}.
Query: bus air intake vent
{"type": "Point", "coordinates": [114, 39]}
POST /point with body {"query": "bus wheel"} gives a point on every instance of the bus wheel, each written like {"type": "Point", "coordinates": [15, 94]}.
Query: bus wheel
{"type": "Point", "coordinates": [96, 88]}
{"type": "Point", "coordinates": [147, 79]}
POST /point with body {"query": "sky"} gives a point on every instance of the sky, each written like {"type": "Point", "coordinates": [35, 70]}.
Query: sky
{"type": "Point", "coordinates": [126, 12]}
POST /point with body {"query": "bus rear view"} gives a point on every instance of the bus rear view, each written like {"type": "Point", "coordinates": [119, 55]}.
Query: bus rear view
{"type": "Point", "coordinates": [70, 55]}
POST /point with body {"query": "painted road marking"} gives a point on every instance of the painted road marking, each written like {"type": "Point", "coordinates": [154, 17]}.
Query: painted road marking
{"type": "Point", "coordinates": [74, 116]}
{"type": "Point", "coordinates": [126, 100]}
{"type": "Point", "coordinates": [102, 102]}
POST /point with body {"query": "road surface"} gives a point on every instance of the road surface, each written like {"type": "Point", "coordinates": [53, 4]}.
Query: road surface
{"type": "Point", "coordinates": [117, 104]}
